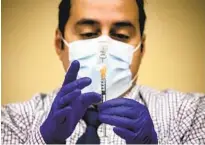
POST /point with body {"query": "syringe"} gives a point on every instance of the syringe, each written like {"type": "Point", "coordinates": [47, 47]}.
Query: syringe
{"type": "Point", "coordinates": [103, 82]}
{"type": "Point", "coordinates": [103, 69]}
{"type": "Point", "coordinates": [102, 61]}
{"type": "Point", "coordinates": [103, 89]}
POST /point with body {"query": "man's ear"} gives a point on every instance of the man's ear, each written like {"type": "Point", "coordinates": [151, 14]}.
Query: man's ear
{"type": "Point", "coordinates": [58, 43]}
{"type": "Point", "coordinates": [143, 47]}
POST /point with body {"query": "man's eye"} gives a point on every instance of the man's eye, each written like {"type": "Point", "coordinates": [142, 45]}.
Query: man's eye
{"type": "Point", "coordinates": [88, 35]}
{"type": "Point", "coordinates": [121, 37]}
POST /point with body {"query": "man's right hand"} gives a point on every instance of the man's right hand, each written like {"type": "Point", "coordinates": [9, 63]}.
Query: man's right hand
{"type": "Point", "coordinates": [68, 107]}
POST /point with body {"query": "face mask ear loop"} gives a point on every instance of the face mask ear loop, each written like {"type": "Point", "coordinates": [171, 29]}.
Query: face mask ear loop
{"type": "Point", "coordinates": [134, 80]}
{"type": "Point", "coordinates": [138, 46]}
{"type": "Point", "coordinates": [131, 86]}
{"type": "Point", "coordinates": [136, 76]}
{"type": "Point", "coordinates": [64, 41]}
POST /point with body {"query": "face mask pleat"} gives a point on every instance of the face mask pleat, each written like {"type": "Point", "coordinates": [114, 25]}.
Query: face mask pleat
{"type": "Point", "coordinates": [117, 63]}
{"type": "Point", "coordinates": [121, 51]}
{"type": "Point", "coordinates": [117, 78]}
{"type": "Point", "coordinates": [84, 49]}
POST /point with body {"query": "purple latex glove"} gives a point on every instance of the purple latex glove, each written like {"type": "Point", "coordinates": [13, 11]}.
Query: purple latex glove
{"type": "Point", "coordinates": [131, 119]}
{"type": "Point", "coordinates": [68, 107]}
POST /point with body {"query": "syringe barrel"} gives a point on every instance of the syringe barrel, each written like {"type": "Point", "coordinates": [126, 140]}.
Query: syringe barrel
{"type": "Point", "coordinates": [103, 89]}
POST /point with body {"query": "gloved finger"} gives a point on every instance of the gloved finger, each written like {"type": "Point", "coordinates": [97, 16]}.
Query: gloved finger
{"type": "Point", "coordinates": [132, 137]}
{"type": "Point", "coordinates": [68, 98]}
{"type": "Point", "coordinates": [143, 135]}
{"type": "Point", "coordinates": [119, 102]}
{"type": "Point", "coordinates": [154, 139]}
{"type": "Point", "coordinates": [124, 133]}
{"type": "Point", "coordinates": [122, 111]}
{"type": "Point", "coordinates": [61, 115]}
{"type": "Point", "coordinates": [72, 73]}
{"type": "Point", "coordinates": [144, 121]}
{"type": "Point", "coordinates": [117, 121]}
{"type": "Point", "coordinates": [78, 84]}
{"type": "Point", "coordinates": [90, 98]}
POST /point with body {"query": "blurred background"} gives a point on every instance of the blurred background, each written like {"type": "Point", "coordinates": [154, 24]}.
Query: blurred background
{"type": "Point", "coordinates": [174, 58]}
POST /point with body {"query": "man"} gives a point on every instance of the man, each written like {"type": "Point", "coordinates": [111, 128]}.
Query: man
{"type": "Point", "coordinates": [98, 39]}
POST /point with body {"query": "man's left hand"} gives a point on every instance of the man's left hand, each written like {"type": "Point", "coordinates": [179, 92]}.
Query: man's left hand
{"type": "Point", "coordinates": [131, 119]}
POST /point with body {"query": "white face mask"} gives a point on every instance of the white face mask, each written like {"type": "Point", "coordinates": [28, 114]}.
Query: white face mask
{"type": "Point", "coordinates": [117, 59]}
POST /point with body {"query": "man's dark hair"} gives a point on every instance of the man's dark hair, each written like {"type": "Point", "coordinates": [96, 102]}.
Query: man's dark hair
{"type": "Point", "coordinates": [64, 13]}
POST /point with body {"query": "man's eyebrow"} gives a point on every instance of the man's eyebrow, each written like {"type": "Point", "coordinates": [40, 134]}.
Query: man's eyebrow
{"type": "Point", "coordinates": [87, 22]}
{"type": "Point", "coordinates": [124, 24]}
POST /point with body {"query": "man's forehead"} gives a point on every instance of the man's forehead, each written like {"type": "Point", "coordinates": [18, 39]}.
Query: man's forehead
{"type": "Point", "coordinates": [105, 10]}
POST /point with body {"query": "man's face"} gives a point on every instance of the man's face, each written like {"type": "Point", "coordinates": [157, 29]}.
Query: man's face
{"type": "Point", "coordinates": [118, 19]}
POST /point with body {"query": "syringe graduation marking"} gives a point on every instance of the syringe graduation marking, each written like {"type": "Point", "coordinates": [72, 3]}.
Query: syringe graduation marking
{"type": "Point", "coordinates": [103, 82]}
{"type": "Point", "coordinates": [103, 89]}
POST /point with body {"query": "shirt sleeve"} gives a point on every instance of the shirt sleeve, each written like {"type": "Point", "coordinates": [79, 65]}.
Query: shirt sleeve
{"type": "Point", "coordinates": [17, 123]}
{"type": "Point", "coordinates": [191, 115]}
